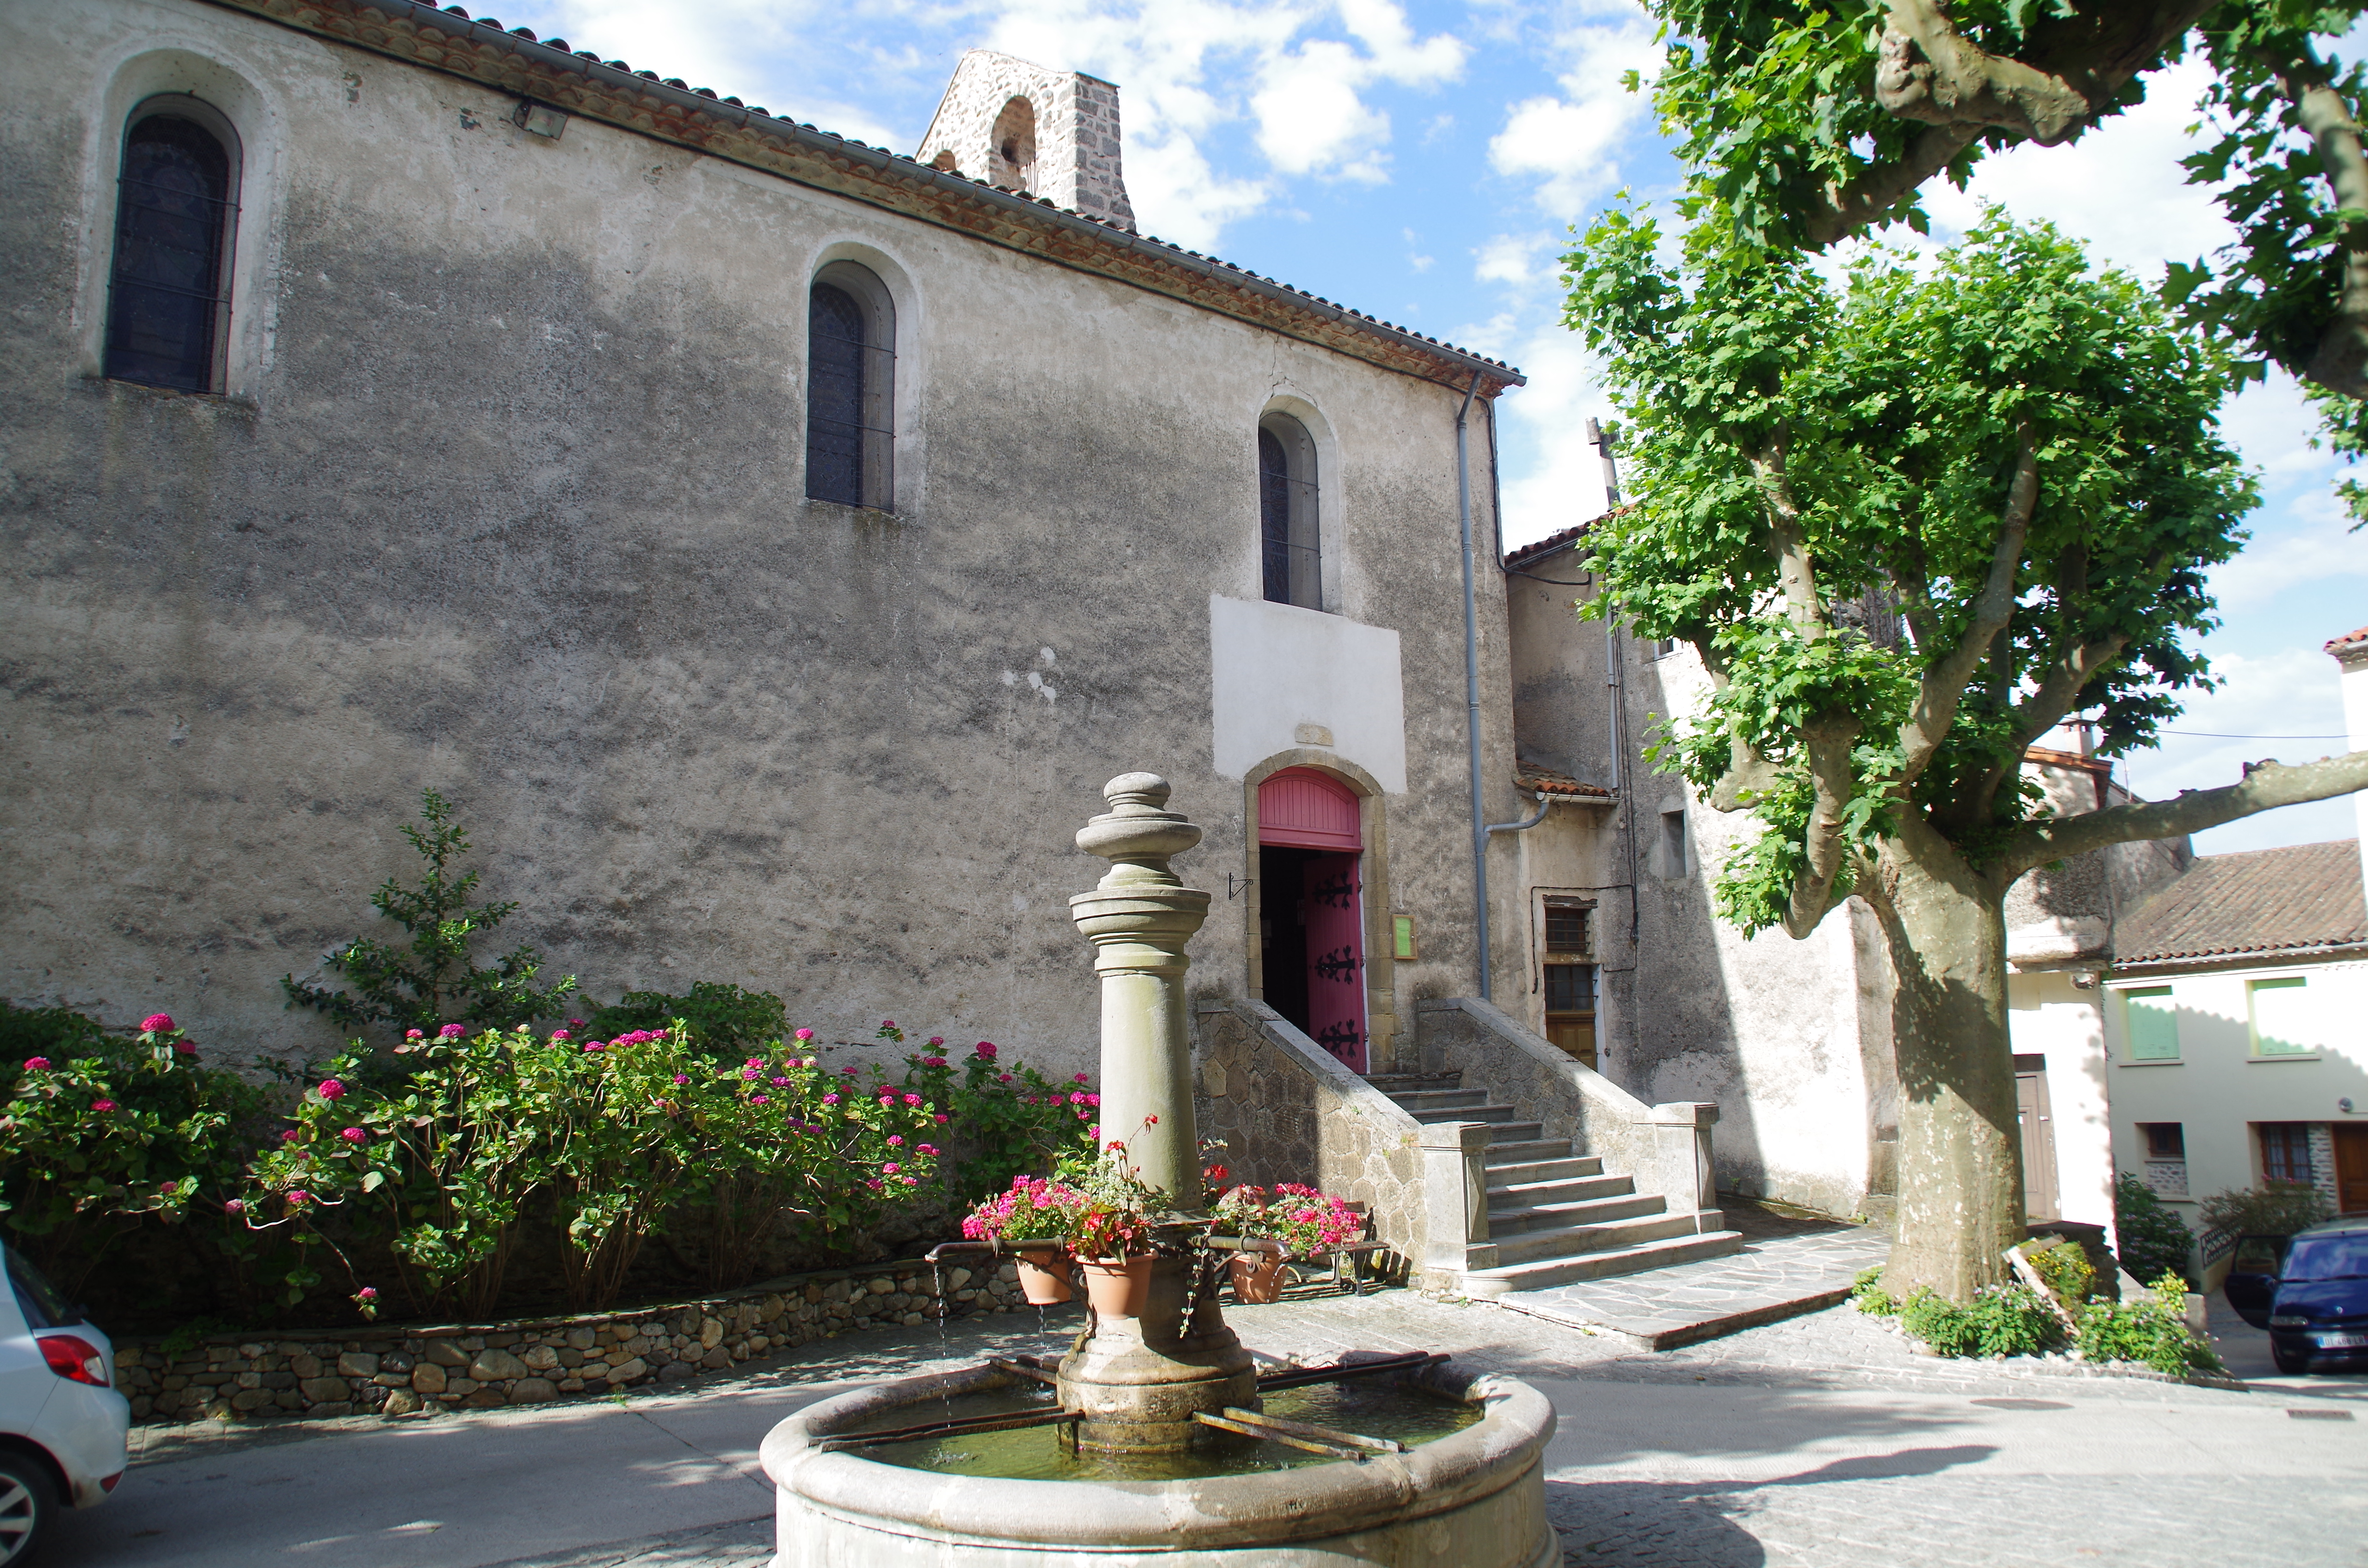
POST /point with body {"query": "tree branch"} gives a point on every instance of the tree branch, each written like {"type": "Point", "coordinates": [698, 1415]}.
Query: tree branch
{"type": "Point", "coordinates": [1845, 210]}
{"type": "Point", "coordinates": [1943, 687]}
{"type": "Point", "coordinates": [2340, 363]}
{"type": "Point", "coordinates": [2266, 786]}
{"type": "Point", "coordinates": [1927, 71]}
{"type": "Point", "coordinates": [1828, 745]}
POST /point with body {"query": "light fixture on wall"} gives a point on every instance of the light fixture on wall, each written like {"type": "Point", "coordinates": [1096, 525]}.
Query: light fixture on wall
{"type": "Point", "coordinates": [2344, 1105]}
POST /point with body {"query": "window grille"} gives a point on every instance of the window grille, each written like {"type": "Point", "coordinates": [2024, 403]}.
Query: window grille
{"type": "Point", "coordinates": [850, 391]}
{"type": "Point", "coordinates": [1569, 982]}
{"type": "Point", "coordinates": [1289, 517]}
{"type": "Point", "coordinates": [168, 299]}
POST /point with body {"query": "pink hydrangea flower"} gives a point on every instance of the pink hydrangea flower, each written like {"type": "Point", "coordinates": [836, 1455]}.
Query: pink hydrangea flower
{"type": "Point", "coordinates": [561, 1034]}
{"type": "Point", "coordinates": [933, 1061]}
{"type": "Point", "coordinates": [354, 1135]}
{"type": "Point", "coordinates": [830, 1099]}
{"type": "Point", "coordinates": [891, 1168]}
{"type": "Point", "coordinates": [331, 1089]}
{"type": "Point", "coordinates": [895, 1141]}
{"type": "Point", "coordinates": [805, 1034]}
{"type": "Point", "coordinates": [592, 1045]}
{"type": "Point", "coordinates": [413, 1034]}
{"type": "Point", "coordinates": [925, 1149]}
{"type": "Point", "coordinates": [158, 1023]}
{"type": "Point", "coordinates": [983, 1048]}
{"type": "Point", "coordinates": [451, 1032]}
{"type": "Point", "coordinates": [1093, 1099]}
{"type": "Point", "coordinates": [912, 1099]}
{"type": "Point", "coordinates": [37, 1063]}
{"type": "Point", "coordinates": [102, 1104]}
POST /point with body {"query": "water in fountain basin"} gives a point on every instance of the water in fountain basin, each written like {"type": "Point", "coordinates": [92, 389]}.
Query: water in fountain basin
{"type": "Point", "coordinates": [1378, 1407]}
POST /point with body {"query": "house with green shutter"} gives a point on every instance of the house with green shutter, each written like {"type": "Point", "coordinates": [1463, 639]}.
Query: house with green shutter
{"type": "Point", "coordinates": [2236, 1024]}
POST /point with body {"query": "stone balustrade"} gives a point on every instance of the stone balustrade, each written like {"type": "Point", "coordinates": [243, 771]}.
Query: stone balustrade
{"type": "Point", "coordinates": [402, 1370]}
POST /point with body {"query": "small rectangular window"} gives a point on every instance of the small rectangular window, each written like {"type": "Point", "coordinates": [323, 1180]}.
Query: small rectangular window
{"type": "Point", "coordinates": [2283, 1024]}
{"type": "Point", "coordinates": [2153, 1024]}
{"type": "Point", "coordinates": [1567, 929]}
{"type": "Point", "coordinates": [2164, 1140]}
{"type": "Point", "coordinates": [1673, 844]}
{"type": "Point", "coordinates": [2285, 1150]}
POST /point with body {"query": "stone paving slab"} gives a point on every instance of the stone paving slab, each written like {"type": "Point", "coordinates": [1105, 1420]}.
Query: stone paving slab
{"type": "Point", "coordinates": [1771, 1279]}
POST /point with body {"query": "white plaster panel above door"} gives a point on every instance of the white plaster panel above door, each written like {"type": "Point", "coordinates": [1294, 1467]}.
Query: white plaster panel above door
{"type": "Point", "coordinates": [1279, 667]}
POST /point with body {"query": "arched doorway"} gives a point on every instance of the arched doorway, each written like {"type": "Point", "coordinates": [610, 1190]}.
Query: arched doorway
{"type": "Point", "coordinates": [1312, 918]}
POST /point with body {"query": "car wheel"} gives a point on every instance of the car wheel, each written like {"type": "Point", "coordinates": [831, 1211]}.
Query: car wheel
{"type": "Point", "coordinates": [2287, 1360]}
{"type": "Point", "coordinates": [27, 1502]}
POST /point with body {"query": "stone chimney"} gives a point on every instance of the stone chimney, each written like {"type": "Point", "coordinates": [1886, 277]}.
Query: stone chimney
{"type": "Point", "coordinates": [2351, 651]}
{"type": "Point", "coordinates": [1021, 127]}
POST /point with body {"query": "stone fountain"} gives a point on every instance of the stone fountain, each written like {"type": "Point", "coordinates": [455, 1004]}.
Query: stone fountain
{"type": "Point", "coordinates": [1171, 1380]}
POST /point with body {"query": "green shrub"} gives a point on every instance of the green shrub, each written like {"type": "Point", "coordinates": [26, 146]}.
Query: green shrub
{"type": "Point", "coordinates": [59, 1033]}
{"type": "Point", "coordinates": [2272, 1209]}
{"type": "Point", "coordinates": [2152, 1329]}
{"type": "Point", "coordinates": [2066, 1270]}
{"type": "Point", "coordinates": [2001, 1320]}
{"type": "Point", "coordinates": [1007, 1119]}
{"type": "Point", "coordinates": [721, 1018]}
{"type": "Point", "coordinates": [430, 980]}
{"type": "Point", "coordinates": [2154, 1240]}
{"type": "Point", "coordinates": [1868, 1294]}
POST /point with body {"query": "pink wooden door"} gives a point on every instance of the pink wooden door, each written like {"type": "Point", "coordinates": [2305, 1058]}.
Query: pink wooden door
{"type": "Point", "coordinates": [1335, 957]}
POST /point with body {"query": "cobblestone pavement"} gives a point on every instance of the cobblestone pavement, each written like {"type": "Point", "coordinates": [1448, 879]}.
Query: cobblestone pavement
{"type": "Point", "coordinates": [1822, 1439]}
{"type": "Point", "coordinates": [1779, 1273]}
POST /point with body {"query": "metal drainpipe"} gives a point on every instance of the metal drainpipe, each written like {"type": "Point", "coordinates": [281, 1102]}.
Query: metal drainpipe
{"type": "Point", "coordinates": [1472, 690]}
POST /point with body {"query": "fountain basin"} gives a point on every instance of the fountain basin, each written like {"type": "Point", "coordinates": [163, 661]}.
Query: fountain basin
{"type": "Point", "coordinates": [1473, 1499]}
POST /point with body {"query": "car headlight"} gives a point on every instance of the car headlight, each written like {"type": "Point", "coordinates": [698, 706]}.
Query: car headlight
{"type": "Point", "coordinates": [2289, 1322]}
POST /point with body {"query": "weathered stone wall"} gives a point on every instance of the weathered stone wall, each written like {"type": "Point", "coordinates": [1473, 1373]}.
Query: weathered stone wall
{"type": "Point", "coordinates": [1078, 162]}
{"type": "Point", "coordinates": [1288, 1110]}
{"type": "Point", "coordinates": [400, 1371]}
{"type": "Point", "coordinates": [510, 501]}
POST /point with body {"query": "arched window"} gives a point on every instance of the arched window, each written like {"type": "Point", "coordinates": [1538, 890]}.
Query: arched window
{"type": "Point", "coordinates": [850, 389]}
{"type": "Point", "coordinates": [1291, 554]}
{"type": "Point", "coordinates": [176, 208]}
{"type": "Point", "coordinates": [1014, 142]}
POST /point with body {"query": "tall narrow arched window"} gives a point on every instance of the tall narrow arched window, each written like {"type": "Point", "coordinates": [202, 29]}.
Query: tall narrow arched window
{"type": "Point", "coordinates": [176, 210]}
{"type": "Point", "coordinates": [850, 389]}
{"type": "Point", "coordinates": [1292, 552]}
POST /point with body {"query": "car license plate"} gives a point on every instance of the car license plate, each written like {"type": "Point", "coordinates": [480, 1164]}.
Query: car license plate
{"type": "Point", "coordinates": [2340, 1341]}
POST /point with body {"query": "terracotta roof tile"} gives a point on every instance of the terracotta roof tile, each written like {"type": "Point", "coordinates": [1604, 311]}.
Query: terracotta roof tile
{"type": "Point", "coordinates": [1540, 780]}
{"type": "Point", "coordinates": [1542, 548]}
{"type": "Point", "coordinates": [2348, 640]}
{"type": "Point", "coordinates": [2256, 904]}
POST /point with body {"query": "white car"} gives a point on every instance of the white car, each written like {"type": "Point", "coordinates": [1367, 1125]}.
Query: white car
{"type": "Point", "coordinates": [63, 1426]}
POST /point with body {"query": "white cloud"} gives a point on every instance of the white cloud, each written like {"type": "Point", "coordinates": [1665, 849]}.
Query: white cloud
{"type": "Point", "coordinates": [2294, 691]}
{"type": "Point", "coordinates": [1568, 144]}
{"type": "Point", "coordinates": [2308, 543]}
{"type": "Point", "coordinates": [1507, 258]}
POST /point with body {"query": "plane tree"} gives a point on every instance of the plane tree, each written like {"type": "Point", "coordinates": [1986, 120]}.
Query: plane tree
{"type": "Point", "coordinates": [2013, 460]}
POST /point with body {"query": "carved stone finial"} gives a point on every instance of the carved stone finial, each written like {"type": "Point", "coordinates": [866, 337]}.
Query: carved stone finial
{"type": "Point", "coordinates": [1136, 833]}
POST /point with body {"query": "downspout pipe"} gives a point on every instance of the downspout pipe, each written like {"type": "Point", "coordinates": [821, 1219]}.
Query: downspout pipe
{"type": "Point", "coordinates": [1472, 688]}
{"type": "Point", "coordinates": [1545, 803]}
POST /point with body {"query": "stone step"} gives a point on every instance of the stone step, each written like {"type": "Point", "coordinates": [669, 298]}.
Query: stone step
{"type": "Point", "coordinates": [1473, 1112]}
{"type": "Point", "coordinates": [1418, 1101]}
{"type": "Point", "coordinates": [1396, 1084]}
{"type": "Point", "coordinates": [1507, 1174]}
{"type": "Point", "coordinates": [1547, 1272]}
{"type": "Point", "coordinates": [1502, 1151]}
{"type": "Point", "coordinates": [1577, 1240]}
{"type": "Point", "coordinates": [1505, 1134]}
{"type": "Point", "coordinates": [1521, 1198]}
{"type": "Point", "coordinates": [1596, 1210]}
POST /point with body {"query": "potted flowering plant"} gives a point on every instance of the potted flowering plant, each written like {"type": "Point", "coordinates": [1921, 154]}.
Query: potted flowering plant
{"type": "Point", "coordinates": [1033, 1217]}
{"type": "Point", "coordinates": [1292, 1220]}
{"type": "Point", "coordinates": [1111, 1232]}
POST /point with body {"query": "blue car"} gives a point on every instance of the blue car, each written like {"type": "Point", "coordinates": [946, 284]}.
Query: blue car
{"type": "Point", "coordinates": [2317, 1302]}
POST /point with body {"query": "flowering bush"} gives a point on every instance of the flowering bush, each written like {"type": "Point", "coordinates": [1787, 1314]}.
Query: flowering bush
{"type": "Point", "coordinates": [1305, 1221]}
{"type": "Point", "coordinates": [1005, 1119]}
{"type": "Point", "coordinates": [90, 1144]}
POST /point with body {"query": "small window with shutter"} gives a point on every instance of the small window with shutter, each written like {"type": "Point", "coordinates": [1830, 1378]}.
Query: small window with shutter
{"type": "Point", "coordinates": [1568, 979]}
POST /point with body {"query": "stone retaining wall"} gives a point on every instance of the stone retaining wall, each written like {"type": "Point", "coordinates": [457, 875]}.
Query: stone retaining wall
{"type": "Point", "coordinates": [405, 1370]}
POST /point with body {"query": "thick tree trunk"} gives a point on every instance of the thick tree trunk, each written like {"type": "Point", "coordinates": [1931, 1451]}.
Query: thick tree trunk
{"type": "Point", "coordinates": [1960, 1151]}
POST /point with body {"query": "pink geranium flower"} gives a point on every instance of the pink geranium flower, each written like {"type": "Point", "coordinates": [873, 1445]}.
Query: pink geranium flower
{"type": "Point", "coordinates": [354, 1135]}
{"type": "Point", "coordinates": [912, 1099]}
{"type": "Point", "coordinates": [942, 1120]}
{"type": "Point", "coordinates": [760, 1099]}
{"type": "Point", "coordinates": [102, 1104]}
{"type": "Point", "coordinates": [37, 1063]}
{"type": "Point", "coordinates": [750, 1073]}
{"type": "Point", "coordinates": [894, 1139]}
{"type": "Point", "coordinates": [830, 1099]}
{"type": "Point", "coordinates": [891, 1168]}
{"type": "Point", "coordinates": [983, 1048]}
{"type": "Point", "coordinates": [298, 1197]}
{"type": "Point", "coordinates": [158, 1023]}
{"type": "Point", "coordinates": [289, 1136]}
{"type": "Point", "coordinates": [331, 1089]}
{"type": "Point", "coordinates": [451, 1032]}
{"type": "Point", "coordinates": [235, 1207]}
{"type": "Point", "coordinates": [561, 1034]}
{"type": "Point", "coordinates": [681, 1078]}
{"type": "Point", "coordinates": [413, 1034]}
{"type": "Point", "coordinates": [368, 1292]}
{"type": "Point", "coordinates": [805, 1034]}
{"type": "Point", "coordinates": [1083, 1078]}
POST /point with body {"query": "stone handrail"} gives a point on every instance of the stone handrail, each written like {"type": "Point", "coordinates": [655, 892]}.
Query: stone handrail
{"type": "Point", "coordinates": [1666, 1148]}
{"type": "Point", "coordinates": [1289, 1110]}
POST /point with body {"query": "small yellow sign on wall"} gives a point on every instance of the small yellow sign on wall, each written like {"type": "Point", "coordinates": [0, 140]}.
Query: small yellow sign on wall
{"type": "Point", "coordinates": [1402, 936]}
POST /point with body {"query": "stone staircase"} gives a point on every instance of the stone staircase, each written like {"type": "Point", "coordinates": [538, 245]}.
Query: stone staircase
{"type": "Point", "coordinates": [1555, 1217]}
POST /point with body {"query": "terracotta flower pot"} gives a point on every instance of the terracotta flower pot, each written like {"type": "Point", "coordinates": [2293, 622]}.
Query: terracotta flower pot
{"type": "Point", "coordinates": [1257, 1277]}
{"type": "Point", "coordinates": [1120, 1288]}
{"type": "Point", "coordinates": [1045, 1277]}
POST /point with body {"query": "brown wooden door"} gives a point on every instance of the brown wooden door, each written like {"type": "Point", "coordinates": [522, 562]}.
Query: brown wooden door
{"type": "Point", "coordinates": [2352, 1168]}
{"type": "Point", "coordinates": [2038, 1127]}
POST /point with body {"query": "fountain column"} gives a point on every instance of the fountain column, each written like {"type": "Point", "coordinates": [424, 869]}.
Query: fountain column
{"type": "Point", "coordinates": [1139, 918]}
{"type": "Point", "coordinates": [1139, 1380]}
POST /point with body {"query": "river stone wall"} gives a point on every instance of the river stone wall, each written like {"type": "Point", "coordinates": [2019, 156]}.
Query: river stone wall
{"type": "Point", "coordinates": [404, 1371]}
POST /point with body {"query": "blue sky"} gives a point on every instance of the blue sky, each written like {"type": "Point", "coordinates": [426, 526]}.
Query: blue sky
{"type": "Point", "coordinates": [1424, 162]}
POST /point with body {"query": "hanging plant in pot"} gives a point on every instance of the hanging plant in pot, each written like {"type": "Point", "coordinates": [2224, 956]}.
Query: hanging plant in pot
{"type": "Point", "coordinates": [1031, 1220]}
{"type": "Point", "coordinates": [1290, 1222]}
